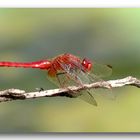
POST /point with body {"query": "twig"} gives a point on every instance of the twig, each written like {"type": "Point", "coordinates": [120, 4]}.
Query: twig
{"type": "Point", "coordinates": [17, 94]}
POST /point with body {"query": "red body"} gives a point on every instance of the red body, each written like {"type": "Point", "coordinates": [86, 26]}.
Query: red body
{"type": "Point", "coordinates": [67, 68]}
{"type": "Point", "coordinates": [44, 64]}
{"type": "Point", "coordinates": [52, 65]}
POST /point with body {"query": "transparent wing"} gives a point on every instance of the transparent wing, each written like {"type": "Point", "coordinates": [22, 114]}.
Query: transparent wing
{"type": "Point", "coordinates": [97, 73]}
{"type": "Point", "coordinates": [75, 72]}
{"type": "Point", "coordinates": [104, 93]}
{"type": "Point", "coordinates": [101, 70]}
{"type": "Point", "coordinates": [87, 97]}
{"type": "Point", "coordinates": [63, 80]}
{"type": "Point", "coordinates": [73, 75]}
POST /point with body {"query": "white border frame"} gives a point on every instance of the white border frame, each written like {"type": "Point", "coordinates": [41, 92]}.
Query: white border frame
{"type": "Point", "coordinates": [70, 3]}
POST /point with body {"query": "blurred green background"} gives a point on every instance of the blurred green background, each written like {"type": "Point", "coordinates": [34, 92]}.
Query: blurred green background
{"type": "Point", "coordinates": [108, 36]}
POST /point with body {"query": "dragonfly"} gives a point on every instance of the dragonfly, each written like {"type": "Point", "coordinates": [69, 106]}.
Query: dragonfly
{"type": "Point", "coordinates": [69, 70]}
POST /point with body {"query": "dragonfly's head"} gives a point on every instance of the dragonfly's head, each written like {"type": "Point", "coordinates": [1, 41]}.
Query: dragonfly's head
{"type": "Point", "coordinates": [87, 64]}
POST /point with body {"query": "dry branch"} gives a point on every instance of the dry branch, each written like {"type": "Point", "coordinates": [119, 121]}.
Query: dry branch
{"type": "Point", "coordinates": [17, 94]}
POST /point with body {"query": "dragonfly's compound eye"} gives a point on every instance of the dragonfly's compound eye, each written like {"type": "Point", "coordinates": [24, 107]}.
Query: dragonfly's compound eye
{"type": "Point", "coordinates": [87, 64]}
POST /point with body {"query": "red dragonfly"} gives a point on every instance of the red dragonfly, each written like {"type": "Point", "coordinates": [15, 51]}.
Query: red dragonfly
{"type": "Point", "coordinates": [66, 70]}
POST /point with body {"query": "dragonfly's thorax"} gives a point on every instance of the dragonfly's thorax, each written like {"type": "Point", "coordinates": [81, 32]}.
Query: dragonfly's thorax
{"type": "Point", "coordinates": [65, 62]}
{"type": "Point", "coordinates": [70, 64]}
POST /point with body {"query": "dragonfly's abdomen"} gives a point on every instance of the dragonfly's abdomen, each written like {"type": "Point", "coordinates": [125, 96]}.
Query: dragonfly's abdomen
{"type": "Point", "coordinates": [44, 64]}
